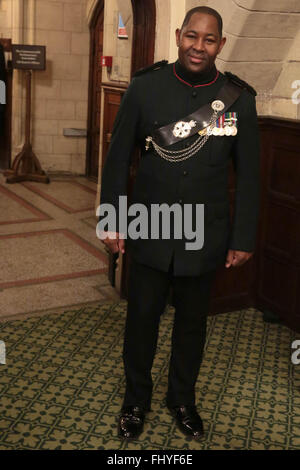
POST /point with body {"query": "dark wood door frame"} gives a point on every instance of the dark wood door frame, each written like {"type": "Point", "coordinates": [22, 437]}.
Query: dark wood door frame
{"type": "Point", "coordinates": [99, 10]}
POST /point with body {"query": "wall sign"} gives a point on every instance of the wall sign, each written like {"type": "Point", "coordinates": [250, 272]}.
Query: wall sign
{"type": "Point", "coordinates": [27, 57]}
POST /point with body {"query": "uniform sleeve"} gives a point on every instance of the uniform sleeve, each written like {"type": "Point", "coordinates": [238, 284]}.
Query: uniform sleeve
{"type": "Point", "coordinates": [246, 159]}
{"type": "Point", "coordinates": [116, 168]}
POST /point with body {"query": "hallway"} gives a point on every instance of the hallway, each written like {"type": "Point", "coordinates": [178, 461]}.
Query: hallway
{"type": "Point", "coordinates": [50, 255]}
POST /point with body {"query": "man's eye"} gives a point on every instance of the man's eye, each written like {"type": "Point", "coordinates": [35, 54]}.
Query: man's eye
{"type": "Point", "coordinates": [191, 36]}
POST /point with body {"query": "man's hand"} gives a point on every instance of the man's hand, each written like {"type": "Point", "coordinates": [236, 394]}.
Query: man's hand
{"type": "Point", "coordinates": [114, 243]}
{"type": "Point", "coordinates": [237, 258]}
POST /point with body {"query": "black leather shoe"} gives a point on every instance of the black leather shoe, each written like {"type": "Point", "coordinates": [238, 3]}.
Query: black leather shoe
{"type": "Point", "coordinates": [131, 422]}
{"type": "Point", "coordinates": [188, 420]}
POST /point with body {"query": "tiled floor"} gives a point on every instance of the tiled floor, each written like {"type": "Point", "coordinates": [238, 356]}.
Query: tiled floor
{"type": "Point", "coordinates": [50, 257]}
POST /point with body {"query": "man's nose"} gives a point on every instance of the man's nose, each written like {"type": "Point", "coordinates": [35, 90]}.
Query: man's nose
{"type": "Point", "coordinates": [199, 45]}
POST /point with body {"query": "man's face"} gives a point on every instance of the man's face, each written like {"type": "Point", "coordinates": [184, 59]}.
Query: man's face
{"type": "Point", "coordinates": [199, 43]}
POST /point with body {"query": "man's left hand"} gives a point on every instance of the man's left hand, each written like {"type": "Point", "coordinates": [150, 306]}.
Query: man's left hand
{"type": "Point", "coordinates": [237, 258]}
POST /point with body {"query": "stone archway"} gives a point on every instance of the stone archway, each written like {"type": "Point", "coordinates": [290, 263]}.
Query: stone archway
{"type": "Point", "coordinates": [144, 18]}
{"type": "Point", "coordinates": [143, 45]}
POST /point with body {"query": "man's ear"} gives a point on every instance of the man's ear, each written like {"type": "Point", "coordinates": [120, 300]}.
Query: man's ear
{"type": "Point", "coordinates": [222, 44]}
{"type": "Point", "coordinates": [178, 33]}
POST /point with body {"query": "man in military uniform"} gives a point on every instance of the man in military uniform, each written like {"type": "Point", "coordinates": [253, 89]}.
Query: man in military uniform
{"type": "Point", "coordinates": [194, 120]}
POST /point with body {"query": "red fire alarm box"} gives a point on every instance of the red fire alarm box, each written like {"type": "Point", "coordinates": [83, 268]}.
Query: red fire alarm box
{"type": "Point", "coordinates": [106, 61]}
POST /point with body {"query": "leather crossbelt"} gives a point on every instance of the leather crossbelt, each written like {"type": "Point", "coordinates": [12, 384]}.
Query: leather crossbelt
{"type": "Point", "coordinates": [200, 119]}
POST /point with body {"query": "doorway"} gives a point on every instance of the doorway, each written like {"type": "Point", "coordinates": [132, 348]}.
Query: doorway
{"type": "Point", "coordinates": [143, 44]}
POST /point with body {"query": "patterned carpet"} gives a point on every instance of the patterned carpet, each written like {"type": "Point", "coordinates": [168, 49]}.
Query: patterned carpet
{"type": "Point", "coordinates": [62, 385]}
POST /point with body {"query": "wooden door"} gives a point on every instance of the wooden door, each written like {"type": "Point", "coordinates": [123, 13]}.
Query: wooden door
{"type": "Point", "coordinates": [278, 292]}
{"type": "Point", "coordinates": [234, 288]}
{"type": "Point", "coordinates": [5, 131]}
{"type": "Point", "coordinates": [95, 83]}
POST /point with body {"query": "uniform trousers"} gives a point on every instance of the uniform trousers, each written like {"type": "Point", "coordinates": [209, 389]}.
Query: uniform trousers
{"type": "Point", "coordinates": [147, 298]}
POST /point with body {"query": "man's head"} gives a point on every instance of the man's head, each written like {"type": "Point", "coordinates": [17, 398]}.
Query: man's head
{"type": "Point", "coordinates": [200, 40]}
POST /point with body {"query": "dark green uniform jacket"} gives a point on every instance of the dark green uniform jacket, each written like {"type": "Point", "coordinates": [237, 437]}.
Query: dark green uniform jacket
{"type": "Point", "coordinates": [160, 97]}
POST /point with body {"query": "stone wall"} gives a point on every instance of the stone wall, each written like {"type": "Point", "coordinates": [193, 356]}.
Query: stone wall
{"type": "Point", "coordinates": [282, 105]}
{"type": "Point", "coordinates": [60, 98]}
{"type": "Point", "coordinates": [6, 7]}
{"type": "Point", "coordinates": [119, 49]}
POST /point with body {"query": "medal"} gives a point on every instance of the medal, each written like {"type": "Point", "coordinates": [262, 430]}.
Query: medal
{"type": "Point", "coordinates": [183, 129]}
{"type": "Point", "coordinates": [218, 105]}
{"type": "Point", "coordinates": [234, 131]}
{"type": "Point", "coordinates": [228, 131]}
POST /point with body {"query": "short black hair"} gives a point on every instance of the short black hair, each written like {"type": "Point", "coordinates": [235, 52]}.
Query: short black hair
{"type": "Point", "coordinates": [206, 11]}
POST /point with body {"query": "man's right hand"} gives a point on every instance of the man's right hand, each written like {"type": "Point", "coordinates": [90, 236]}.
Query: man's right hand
{"type": "Point", "coordinates": [114, 243]}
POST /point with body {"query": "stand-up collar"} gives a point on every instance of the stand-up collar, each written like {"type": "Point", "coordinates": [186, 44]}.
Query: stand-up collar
{"type": "Point", "coordinates": [195, 80]}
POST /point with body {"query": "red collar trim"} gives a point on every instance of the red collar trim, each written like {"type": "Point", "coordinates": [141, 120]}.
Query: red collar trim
{"type": "Point", "coordinates": [195, 86]}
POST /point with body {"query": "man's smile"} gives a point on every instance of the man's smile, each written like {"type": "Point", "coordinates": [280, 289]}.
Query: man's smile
{"type": "Point", "coordinates": [196, 60]}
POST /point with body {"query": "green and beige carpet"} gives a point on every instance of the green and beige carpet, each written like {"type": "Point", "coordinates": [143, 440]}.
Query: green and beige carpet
{"type": "Point", "coordinates": [63, 383]}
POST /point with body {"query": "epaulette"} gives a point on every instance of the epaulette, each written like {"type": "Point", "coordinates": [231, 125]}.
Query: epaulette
{"type": "Point", "coordinates": [156, 66]}
{"type": "Point", "coordinates": [237, 81]}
